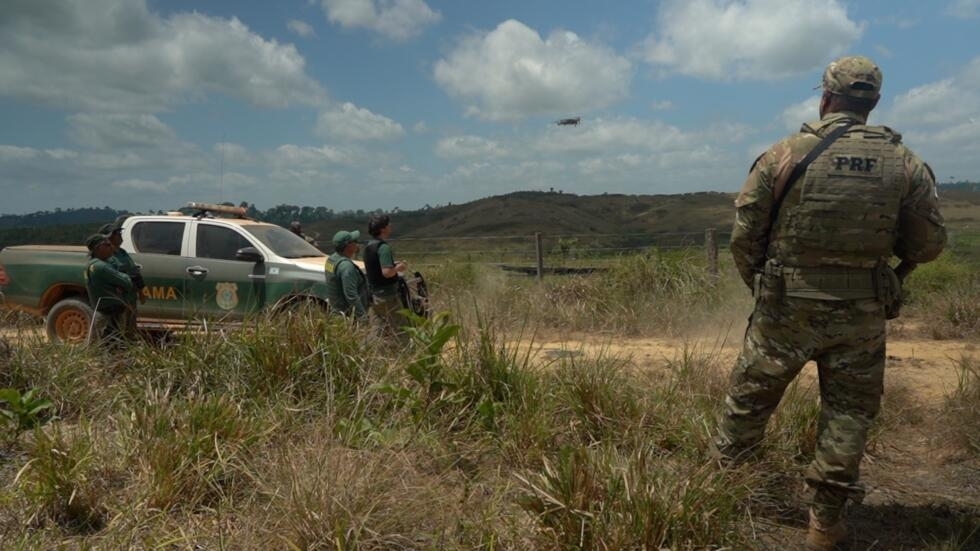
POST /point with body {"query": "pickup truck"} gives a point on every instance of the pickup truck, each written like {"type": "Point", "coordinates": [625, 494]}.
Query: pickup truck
{"type": "Point", "coordinates": [196, 267]}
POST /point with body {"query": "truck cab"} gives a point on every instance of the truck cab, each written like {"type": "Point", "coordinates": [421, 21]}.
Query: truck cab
{"type": "Point", "coordinates": [199, 268]}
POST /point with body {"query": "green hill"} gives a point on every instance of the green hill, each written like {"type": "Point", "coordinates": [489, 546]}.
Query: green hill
{"type": "Point", "coordinates": [612, 220]}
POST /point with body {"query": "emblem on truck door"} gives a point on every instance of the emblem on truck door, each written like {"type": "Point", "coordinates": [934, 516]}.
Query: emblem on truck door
{"type": "Point", "coordinates": [226, 295]}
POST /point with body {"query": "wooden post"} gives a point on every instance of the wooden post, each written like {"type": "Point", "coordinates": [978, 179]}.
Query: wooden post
{"type": "Point", "coordinates": [539, 254]}
{"type": "Point", "coordinates": [711, 245]}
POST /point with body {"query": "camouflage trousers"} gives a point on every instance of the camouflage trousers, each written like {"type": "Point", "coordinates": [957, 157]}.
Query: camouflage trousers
{"type": "Point", "coordinates": [846, 339]}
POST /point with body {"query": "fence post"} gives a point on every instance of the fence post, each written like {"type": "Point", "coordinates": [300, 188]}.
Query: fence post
{"type": "Point", "coordinates": [539, 254]}
{"type": "Point", "coordinates": [711, 245]}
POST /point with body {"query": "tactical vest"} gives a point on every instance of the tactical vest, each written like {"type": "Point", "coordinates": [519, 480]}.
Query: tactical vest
{"type": "Point", "coordinates": [372, 269]}
{"type": "Point", "coordinates": [844, 210]}
{"type": "Point", "coordinates": [335, 291]}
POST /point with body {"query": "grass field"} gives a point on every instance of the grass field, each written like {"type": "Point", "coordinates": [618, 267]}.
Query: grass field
{"type": "Point", "coordinates": [302, 432]}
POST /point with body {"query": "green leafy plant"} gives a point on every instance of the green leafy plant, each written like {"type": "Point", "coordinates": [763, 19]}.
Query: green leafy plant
{"type": "Point", "coordinates": [23, 411]}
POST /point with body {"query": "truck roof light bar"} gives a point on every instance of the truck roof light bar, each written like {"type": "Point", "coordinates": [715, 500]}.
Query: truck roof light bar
{"type": "Point", "coordinates": [205, 209]}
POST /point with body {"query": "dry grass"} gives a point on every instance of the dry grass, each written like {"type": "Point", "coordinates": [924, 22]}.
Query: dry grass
{"type": "Point", "coordinates": [300, 432]}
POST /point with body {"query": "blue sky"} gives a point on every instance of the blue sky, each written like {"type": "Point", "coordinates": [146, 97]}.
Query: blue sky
{"type": "Point", "coordinates": [377, 104]}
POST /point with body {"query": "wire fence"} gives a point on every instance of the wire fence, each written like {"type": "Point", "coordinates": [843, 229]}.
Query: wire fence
{"type": "Point", "coordinates": [552, 250]}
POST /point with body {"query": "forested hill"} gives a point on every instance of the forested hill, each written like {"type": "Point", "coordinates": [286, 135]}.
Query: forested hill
{"type": "Point", "coordinates": [514, 214]}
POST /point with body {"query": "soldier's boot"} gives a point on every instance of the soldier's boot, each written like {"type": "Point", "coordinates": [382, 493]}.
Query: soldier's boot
{"type": "Point", "coordinates": [825, 536]}
{"type": "Point", "coordinates": [725, 457]}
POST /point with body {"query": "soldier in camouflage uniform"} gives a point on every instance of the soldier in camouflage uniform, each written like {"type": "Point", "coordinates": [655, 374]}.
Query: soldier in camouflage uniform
{"type": "Point", "coordinates": [818, 269]}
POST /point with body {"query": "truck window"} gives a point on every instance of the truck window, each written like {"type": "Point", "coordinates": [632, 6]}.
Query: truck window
{"type": "Point", "coordinates": [158, 237]}
{"type": "Point", "coordinates": [219, 242]}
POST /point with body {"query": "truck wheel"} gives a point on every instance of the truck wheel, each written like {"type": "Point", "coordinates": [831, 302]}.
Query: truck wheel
{"type": "Point", "coordinates": [68, 321]}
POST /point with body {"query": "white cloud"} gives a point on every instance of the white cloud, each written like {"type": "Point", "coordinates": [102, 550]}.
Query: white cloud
{"type": "Point", "coordinates": [964, 9]}
{"type": "Point", "coordinates": [302, 28]}
{"type": "Point", "coordinates": [795, 115]}
{"type": "Point", "coordinates": [232, 153]}
{"type": "Point", "coordinates": [617, 135]}
{"type": "Point", "coordinates": [138, 185]}
{"type": "Point", "coordinates": [393, 19]}
{"type": "Point", "coordinates": [116, 55]}
{"type": "Point", "coordinates": [127, 160]}
{"type": "Point", "coordinates": [61, 154]}
{"type": "Point", "coordinates": [108, 131]}
{"type": "Point", "coordinates": [305, 156]}
{"type": "Point", "coordinates": [748, 39]}
{"type": "Point", "coordinates": [468, 147]}
{"type": "Point", "coordinates": [943, 102]}
{"type": "Point", "coordinates": [349, 121]}
{"type": "Point", "coordinates": [511, 73]}
{"type": "Point", "coordinates": [883, 51]}
{"type": "Point", "coordinates": [941, 121]}
{"type": "Point", "coordinates": [15, 153]}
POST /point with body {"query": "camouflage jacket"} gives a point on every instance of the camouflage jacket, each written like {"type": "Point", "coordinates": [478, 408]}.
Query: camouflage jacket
{"type": "Point", "coordinates": [918, 234]}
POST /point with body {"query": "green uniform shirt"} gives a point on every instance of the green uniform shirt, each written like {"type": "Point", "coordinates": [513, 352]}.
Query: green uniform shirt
{"type": "Point", "coordinates": [125, 264]}
{"type": "Point", "coordinates": [107, 286]}
{"type": "Point", "coordinates": [386, 258]}
{"type": "Point", "coordinates": [346, 286]}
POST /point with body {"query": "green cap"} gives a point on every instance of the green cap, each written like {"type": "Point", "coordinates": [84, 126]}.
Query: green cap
{"type": "Point", "coordinates": [855, 76]}
{"type": "Point", "coordinates": [114, 226]}
{"type": "Point", "coordinates": [342, 238]}
{"type": "Point", "coordinates": [94, 240]}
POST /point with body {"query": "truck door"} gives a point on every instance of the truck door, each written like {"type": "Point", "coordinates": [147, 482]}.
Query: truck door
{"type": "Point", "coordinates": [219, 286]}
{"type": "Point", "coordinates": [156, 245]}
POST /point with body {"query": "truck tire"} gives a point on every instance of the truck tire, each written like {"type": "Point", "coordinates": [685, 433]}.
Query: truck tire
{"type": "Point", "coordinates": [68, 321]}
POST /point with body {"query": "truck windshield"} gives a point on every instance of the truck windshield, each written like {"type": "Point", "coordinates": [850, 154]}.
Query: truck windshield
{"type": "Point", "coordinates": [282, 241]}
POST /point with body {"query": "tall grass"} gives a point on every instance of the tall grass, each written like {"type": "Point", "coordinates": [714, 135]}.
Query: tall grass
{"type": "Point", "coordinates": [667, 292]}
{"type": "Point", "coordinates": [945, 294]}
{"type": "Point", "coordinates": [302, 432]}
{"type": "Point", "coordinates": [962, 408]}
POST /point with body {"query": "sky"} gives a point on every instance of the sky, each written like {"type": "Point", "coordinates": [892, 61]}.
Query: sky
{"type": "Point", "coordinates": [384, 104]}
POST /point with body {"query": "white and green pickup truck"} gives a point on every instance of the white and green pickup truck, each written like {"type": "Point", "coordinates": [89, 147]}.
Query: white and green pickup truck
{"type": "Point", "coordinates": [196, 267]}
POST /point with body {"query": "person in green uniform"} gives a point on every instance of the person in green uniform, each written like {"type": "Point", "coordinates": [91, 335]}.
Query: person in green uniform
{"type": "Point", "coordinates": [121, 260]}
{"type": "Point", "coordinates": [346, 287]}
{"type": "Point", "coordinates": [382, 275]}
{"type": "Point", "coordinates": [108, 292]}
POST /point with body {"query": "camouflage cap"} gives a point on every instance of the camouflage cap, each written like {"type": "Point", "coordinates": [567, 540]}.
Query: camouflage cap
{"type": "Point", "coordinates": [855, 76]}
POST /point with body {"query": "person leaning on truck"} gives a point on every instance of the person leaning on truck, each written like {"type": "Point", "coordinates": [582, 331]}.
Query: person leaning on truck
{"type": "Point", "coordinates": [108, 292]}
{"type": "Point", "coordinates": [382, 276]}
{"type": "Point", "coordinates": [818, 267]}
{"type": "Point", "coordinates": [121, 260]}
{"type": "Point", "coordinates": [346, 287]}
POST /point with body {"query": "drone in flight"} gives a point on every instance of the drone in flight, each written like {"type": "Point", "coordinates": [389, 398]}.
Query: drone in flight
{"type": "Point", "coordinates": [569, 122]}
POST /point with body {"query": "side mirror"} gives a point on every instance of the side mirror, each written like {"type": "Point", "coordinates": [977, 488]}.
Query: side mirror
{"type": "Point", "coordinates": [249, 254]}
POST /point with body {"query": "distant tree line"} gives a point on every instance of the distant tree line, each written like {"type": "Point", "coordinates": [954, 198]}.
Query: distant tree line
{"type": "Point", "coordinates": [60, 217]}
{"type": "Point", "coordinates": [964, 185]}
